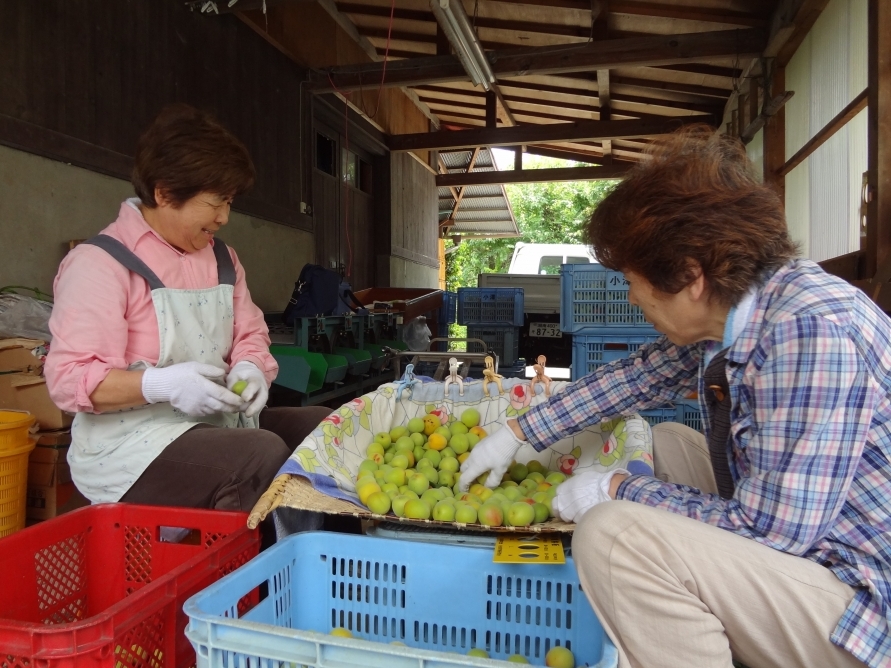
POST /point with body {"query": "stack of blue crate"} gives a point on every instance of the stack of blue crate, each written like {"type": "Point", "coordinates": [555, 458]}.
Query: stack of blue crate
{"type": "Point", "coordinates": [445, 317]}
{"type": "Point", "coordinates": [494, 315]}
{"type": "Point", "coordinates": [605, 327]}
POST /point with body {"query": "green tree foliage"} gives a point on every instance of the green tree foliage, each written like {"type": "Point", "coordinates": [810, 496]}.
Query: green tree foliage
{"type": "Point", "coordinates": [546, 213]}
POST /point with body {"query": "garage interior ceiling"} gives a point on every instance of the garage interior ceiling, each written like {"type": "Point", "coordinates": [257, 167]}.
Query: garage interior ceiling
{"type": "Point", "coordinates": [566, 61]}
{"type": "Point", "coordinates": [694, 88]}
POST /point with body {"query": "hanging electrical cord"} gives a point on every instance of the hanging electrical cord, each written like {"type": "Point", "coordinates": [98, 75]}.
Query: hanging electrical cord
{"type": "Point", "coordinates": [380, 90]}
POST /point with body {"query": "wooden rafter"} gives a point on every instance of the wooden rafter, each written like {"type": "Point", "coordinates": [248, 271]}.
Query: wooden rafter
{"type": "Point", "coordinates": [704, 68]}
{"type": "Point", "coordinates": [445, 108]}
{"type": "Point", "coordinates": [607, 54]}
{"type": "Point", "coordinates": [534, 134]}
{"type": "Point", "coordinates": [561, 29]}
{"type": "Point", "coordinates": [656, 10]}
{"type": "Point", "coordinates": [614, 171]}
{"type": "Point", "coordinates": [691, 103]}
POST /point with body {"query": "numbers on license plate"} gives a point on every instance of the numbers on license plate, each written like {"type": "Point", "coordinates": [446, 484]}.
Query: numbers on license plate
{"type": "Point", "coordinates": [545, 329]}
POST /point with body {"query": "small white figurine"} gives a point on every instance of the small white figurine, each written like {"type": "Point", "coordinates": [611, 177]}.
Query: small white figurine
{"type": "Point", "coordinates": [453, 377]}
{"type": "Point", "coordinates": [489, 376]}
{"type": "Point", "coordinates": [540, 376]}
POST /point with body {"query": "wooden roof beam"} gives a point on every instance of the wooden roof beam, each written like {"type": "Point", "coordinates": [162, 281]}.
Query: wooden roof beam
{"type": "Point", "coordinates": [607, 54]}
{"type": "Point", "coordinates": [672, 11]}
{"type": "Point", "coordinates": [671, 91]}
{"type": "Point", "coordinates": [561, 29]}
{"type": "Point", "coordinates": [704, 68]}
{"type": "Point", "coordinates": [434, 97]}
{"type": "Point", "coordinates": [614, 171]}
{"type": "Point", "coordinates": [447, 108]}
{"type": "Point", "coordinates": [534, 134]}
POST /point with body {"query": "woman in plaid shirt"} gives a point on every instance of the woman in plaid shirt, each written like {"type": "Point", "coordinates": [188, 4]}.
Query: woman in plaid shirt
{"type": "Point", "coordinates": [768, 539]}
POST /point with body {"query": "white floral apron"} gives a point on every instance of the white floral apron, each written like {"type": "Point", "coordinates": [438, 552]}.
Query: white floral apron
{"type": "Point", "coordinates": [110, 451]}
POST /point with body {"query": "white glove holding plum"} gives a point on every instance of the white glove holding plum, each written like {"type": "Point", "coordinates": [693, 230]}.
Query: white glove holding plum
{"type": "Point", "coordinates": [255, 393]}
{"type": "Point", "coordinates": [582, 492]}
{"type": "Point", "coordinates": [495, 454]}
{"type": "Point", "coordinates": [192, 387]}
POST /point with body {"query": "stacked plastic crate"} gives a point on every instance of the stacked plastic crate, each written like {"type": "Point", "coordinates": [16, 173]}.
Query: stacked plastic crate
{"type": "Point", "coordinates": [606, 327]}
{"type": "Point", "coordinates": [447, 314]}
{"type": "Point", "coordinates": [494, 315]}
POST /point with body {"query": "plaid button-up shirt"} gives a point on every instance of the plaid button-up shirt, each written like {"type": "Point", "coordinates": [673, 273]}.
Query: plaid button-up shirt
{"type": "Point", "coordinates": [810, 382]}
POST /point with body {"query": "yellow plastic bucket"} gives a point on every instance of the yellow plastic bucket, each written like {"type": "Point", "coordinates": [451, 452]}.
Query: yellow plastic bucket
{"type": "Point", "coordinates": [14, 487]}
{"type": "Point", "coordinates": [14, 427]}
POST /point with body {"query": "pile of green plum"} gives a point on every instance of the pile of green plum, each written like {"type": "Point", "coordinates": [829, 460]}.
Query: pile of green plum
{"type": "Point", "coordinates": [413, 471]}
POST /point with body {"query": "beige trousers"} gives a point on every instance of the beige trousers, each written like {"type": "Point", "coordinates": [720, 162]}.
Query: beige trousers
{"type": "Point", "coordinates": [671, 591]}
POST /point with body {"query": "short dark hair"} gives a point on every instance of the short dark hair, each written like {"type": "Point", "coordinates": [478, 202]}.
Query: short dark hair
{"type": "Point", "coordinates": [186, 151]}
{"type": "Point", "coordinates": [694, 196]}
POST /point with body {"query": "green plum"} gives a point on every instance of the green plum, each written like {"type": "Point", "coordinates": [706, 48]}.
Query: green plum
{"type": "Point", "coordinates": [465, 513]}
{"type": "Point", "coordinates": [417, 509]}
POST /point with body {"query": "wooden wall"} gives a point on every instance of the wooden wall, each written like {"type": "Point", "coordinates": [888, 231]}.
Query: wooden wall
{"type": "Point", "coordinates": [345, 218]}
{"type": "Point", "coordinates": [80, 79]}
{"type": "Point", "coordinates": [414, 212]}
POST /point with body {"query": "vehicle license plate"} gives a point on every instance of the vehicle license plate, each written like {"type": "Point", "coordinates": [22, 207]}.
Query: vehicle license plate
{"type": "Point", "coordinates": [548, 329]}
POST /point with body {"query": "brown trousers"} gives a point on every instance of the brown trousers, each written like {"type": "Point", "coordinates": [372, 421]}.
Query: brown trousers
{"type": "Point", "coordinates": [225, 469]}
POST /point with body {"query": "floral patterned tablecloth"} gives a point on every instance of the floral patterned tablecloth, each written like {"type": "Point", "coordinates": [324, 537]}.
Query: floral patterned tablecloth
{"type": "Point", "coordinates": [331, 454]}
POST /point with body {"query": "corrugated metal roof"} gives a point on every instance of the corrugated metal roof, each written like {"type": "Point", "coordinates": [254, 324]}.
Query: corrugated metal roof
{"type": "Point", "coordinates": [484, 211]}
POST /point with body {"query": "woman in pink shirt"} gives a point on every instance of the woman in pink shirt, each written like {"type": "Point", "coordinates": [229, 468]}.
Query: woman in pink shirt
{"type": "Point", "coordinates": [157, 345]}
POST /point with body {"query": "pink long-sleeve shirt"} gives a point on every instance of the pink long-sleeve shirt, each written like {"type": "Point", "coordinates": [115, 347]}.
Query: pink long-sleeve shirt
{"type": "Point", "coordinates": [103, 317]}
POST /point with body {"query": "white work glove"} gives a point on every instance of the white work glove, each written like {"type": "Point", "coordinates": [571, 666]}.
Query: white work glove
{"type": "Point", "coordinates": [582, 492]}
{"type": "Point", "coordinates": [494, 453]}
{"type": "Point", "coordinates": [254, 396]}
{"type": "Point", "coordinates": [192, 387]}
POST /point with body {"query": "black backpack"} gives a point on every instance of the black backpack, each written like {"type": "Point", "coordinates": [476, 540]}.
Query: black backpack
{"type": "Point", "coordinates": [320, 291]}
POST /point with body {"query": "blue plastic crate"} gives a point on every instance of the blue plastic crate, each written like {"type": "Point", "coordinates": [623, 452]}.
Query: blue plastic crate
{"type": "Point", "coordinates": [448, 310]}
{"type": "Point", "coordinates": [590, 351]}
{"type": "Point", "coordinates": [592, 297]}
{"type": "Point", "coordinates": [439, 600]}
{"type": "Point", "coordinates": [684, 412]}
{"type": "Point", "coordinates": [490, 306]}
{"type": "Point", "coordinates": [504, 341]}
{"type": "Point", "coordinates": [657, 415]}
{"type": "Point", "coordinates": [689, 413]}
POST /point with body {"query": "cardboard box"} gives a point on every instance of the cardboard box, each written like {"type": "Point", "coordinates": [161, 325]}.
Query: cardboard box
{"type": "Point", "coordinates": [22, 385]}
{"type": "Point", "coordinates": [50, 489]}
{"type": "Point", "coordinates": [26, 392]}
{"type": "Point", "coordinates": [17, 356]}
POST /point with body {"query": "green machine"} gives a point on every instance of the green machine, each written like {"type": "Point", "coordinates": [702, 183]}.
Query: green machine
{"type": "Point", "coordinates": [330, 358]}
{"type": "Point", "coordinates": [339, 357]}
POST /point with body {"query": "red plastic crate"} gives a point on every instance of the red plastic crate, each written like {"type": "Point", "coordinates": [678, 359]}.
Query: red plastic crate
{"type": "Point", "coordinates": [98, 586]}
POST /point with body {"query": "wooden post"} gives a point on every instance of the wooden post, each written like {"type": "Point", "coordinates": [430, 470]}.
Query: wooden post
{"type": "Point", "coordinates": [491, 109]}
{"type": "Point", "coordinates": [518, 158]}
{"type": "Point", "coordinates": [605, 102]}
{"type": "Point", "coordinates": [878, 217]}
{"type": "Point", "coordinates": [443, 48]}
{"type": "Point", "coordinates": [775, 136]}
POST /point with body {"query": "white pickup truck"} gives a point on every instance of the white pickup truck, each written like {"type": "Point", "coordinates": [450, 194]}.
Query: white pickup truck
{"type": "Point", "coordinates": [547, 258]}
{"type": "Point", "coordinates": [535, 268]}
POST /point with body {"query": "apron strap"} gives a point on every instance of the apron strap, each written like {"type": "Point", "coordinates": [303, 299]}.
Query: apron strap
{"type": "Point", "coordinates": [127, 258]}
{"type": "Point", "coordinates": [225, 267]}
{"type": "Point", "coordinates": [717, 397]}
